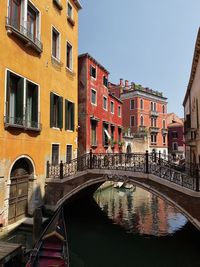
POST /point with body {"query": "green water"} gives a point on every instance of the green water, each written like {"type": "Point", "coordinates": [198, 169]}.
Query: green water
{"type": "Point", "coordinates": [129, 228]}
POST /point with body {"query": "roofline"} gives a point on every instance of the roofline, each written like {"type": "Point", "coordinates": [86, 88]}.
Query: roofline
{"type": "Point", "coordinates": [95, 61]}
{"type": "Point", "coordinates": [78, 4]}
{"type": "Point", "coordinates": [148, 93]}
{"type": "Point", "coordinates": [114, 96]}
{"type": "Point", "coordinates": [194, 66]}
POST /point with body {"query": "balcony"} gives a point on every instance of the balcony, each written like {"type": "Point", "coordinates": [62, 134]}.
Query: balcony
{"type": "Point", "coordinates": [142, 129]}
{"type": "Point", "coordinates": [21, 123]}
{"type": "Point", "coordinates": [21, 32]}
{"type": "Point", "coordinates": [164, 131]}
{"type": "Point", "coordinates": [154, 129]}
{"type": "Point", "coordinates": [153, 113]}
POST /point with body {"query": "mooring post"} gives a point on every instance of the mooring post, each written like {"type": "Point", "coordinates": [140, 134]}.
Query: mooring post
{"type": "Point", "coordinates": [37, 223]}
{"type": "Point", "coordinates": [197, 179]}
{"type": "Point", "coordinates": [61, 170]}
{"type": "Point", "coordinates": [48, 165]}
{"type": "Point", "coordinates": [90, 159]}
{"type": "Point", "coordinates": [147, 161]}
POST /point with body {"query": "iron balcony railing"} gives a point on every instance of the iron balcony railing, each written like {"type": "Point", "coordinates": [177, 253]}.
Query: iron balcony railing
{"type": "Point", "coordinates": [154, 129]}
{"type": "Point", "coordinates": [21, 31]}
{"type": "Point", "coordinates": [154, 113]}
{"type": "Point", "coordinates": [164, 131]}
{"type": "Point", "coordinates": [21, 122]}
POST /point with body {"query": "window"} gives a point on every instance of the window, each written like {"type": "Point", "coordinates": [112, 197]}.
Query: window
{"type": "Point", "coordinates": [112, 107]}
{"type": "Point", "coordinates": [174, 134]}
{"type": "Point", "coordinates": [153, 122]}
{"type": "Point", "coordinates": [105, 103]}
{"type": "Point", "coordinates": [119, 111]}
{"type": "Point", "coordinates": [132, 104]}
{"type": "Point", "coordinates": [21, 102]}
{"type": "Point", "coordinates": [93, 133]}
{"type": "Point", "coordinates": [24, 17]}
{"type": "Point", "coordinates": [69, 56]}
{"type": "Point", "coordinates": [154, 106]}
{"type": "Point", "coordinates": [56, 111]}
{"type": "Point", "coordinates": [142, 121]}
{"type": "Point", "coordinates": [164, 139]}
{"type": "Point", "coordinates": [105, 81]}
{"type": "Point", "coordinates": [92, 71]}
{"type": "Point", "coordinates": [132, 121]}
{"type": "Point", "coordinates": [151, 106]}
{"type": "Point", "coordinates": [119, 134]}
{"type": "Point", "coordinates": [141, 104]}
{"type": "Point", "coordinates": [112, 129]}
{"type": "Point", "coordinates": [106, 135]}
{"type": "Point", "coordinates": [164, 124]}
{"type": "Point", "coordinates": [93, 97]}
{"type": "Point", "coordinates": [55, 154]}
{"type": "Point", "coordinates": [69, 10]}
{"type": "Point", "coordinates": [175, 146]}
{"type": "Point", "coordinates": [55, 44]}
{"type": "Point", "coordinates": [69, 115]}
{"type": "Point", "coordinates": [163, 109]}
{"type": "Point", "coordinates": [69, 153]}
{"type": "Point", "coordinates": [153, 139]}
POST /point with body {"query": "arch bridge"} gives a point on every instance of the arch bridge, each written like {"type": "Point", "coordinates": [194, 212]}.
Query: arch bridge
{"type": "Point", "coordinates": [174, 183]}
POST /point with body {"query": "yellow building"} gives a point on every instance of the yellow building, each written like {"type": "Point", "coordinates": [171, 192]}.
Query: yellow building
{"type": "Point", "coordinates": [38, 98]}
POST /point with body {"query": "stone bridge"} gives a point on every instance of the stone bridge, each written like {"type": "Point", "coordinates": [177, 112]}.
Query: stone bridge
{"type": "Point", "coordinates": [174, 183]}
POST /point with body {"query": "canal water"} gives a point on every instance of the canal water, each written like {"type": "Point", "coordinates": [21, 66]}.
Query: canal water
{"type": "Point", "coordinates": [129, 228]}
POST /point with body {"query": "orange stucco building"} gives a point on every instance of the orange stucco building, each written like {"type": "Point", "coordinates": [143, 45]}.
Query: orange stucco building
{"type": "Point", "coordinates": [38, 110]}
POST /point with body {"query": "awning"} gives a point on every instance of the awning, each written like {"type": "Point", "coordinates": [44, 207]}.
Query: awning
{"type": "Point", "coordinates": [107, 133]}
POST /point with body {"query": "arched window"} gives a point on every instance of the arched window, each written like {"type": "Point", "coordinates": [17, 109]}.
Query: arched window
{"type": "Point", "coordinates": [163, 109]}
{"type": "Point", "coordinates": [141, 121]}
{"type": "Point", "coordinates": [151, 105]}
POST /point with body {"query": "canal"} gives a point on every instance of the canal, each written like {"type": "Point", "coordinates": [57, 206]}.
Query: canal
{"type": "Point", "coordinates": [129, 227]}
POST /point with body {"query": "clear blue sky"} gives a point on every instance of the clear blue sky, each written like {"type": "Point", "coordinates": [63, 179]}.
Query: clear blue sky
{"type": "Point", "coordinates": [149, 42]}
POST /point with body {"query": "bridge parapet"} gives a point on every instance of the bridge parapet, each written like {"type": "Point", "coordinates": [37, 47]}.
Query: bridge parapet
{"type": "Point", "coordinates": [149, 163]}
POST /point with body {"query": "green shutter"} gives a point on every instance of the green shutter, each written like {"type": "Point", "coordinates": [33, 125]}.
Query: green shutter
{"type": "Point", "coordinates": [51, 110]}
{"type": "Point", "coordinates": [60, 112]}
{"type": "Point", "coordinates": [8, 97]}
{"type": "Point", "coordinates": [35, 106]}
{"type": "Point", "coordinates": [19, 101]}
{"type": "Point", "coordinates": [66, 114]}
{"type": "Point", "coordinates": [72, 116]}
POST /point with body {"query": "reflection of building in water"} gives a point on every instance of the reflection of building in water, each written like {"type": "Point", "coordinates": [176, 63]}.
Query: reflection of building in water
{"type": "Point", "coordinates": [137, 211]}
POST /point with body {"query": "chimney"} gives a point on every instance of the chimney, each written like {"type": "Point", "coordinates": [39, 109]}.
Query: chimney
{"type": "Point", "coordinates": [126, 83]}
{"type": "Point", "coordinates": [121, 83]}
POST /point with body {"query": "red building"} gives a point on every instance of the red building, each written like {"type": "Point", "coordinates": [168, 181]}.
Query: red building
{"type": "Point", "coordinates": [100, 113]}
{"type": "Point", "coordinates": [176, 142]}
{"type": "Point", "coordinates": [144, 113]}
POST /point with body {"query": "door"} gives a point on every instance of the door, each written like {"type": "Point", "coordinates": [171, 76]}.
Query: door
{"type": "Point", "coordinates": [18, 199]}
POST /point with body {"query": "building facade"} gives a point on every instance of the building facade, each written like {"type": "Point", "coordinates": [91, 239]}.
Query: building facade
{"type": "Point", "coordinates": [176, 142]}
{"type": "Point", "coordinates": [38, 111]}
{"type": "Point", "coordinates": [191, 110]}
{"type": "Point", "coordinates": [144, 113]}
{"type": "Point", "coordinates": [100, 113]}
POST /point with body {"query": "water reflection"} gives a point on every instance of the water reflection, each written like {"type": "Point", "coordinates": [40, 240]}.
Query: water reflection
{"type": "Point", "coordinates": [139, 211]}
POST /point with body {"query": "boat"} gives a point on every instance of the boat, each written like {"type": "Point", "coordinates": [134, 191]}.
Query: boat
{"type": "Point", "coordinates": [124, 185]}
{"type": "Point", "coordinates": [118, 185]}
{"type": "Point", "coordinates": [51, 249]}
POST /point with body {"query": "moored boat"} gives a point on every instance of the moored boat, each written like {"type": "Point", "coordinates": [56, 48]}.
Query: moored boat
{"type": "Point", "coordinates": [51, 249]}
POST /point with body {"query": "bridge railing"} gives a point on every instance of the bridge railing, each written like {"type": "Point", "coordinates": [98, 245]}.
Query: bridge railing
{"type": "Point", "coordinates": [152, 163]}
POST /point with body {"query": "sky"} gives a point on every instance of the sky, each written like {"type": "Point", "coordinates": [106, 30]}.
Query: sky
{"type": "Point", "coordinates": [149, 42]}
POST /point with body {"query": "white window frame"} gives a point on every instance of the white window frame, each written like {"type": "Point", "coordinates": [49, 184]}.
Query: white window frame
{"type": "Point", "coordinates": [164, 124]}
{"type": "Point", "coordinates": [94, 78]}
{"type": "Point", "coordinates": [142, 101]}
{"type": "Point", "coordinates": [106, 102]}
{"type": "Point", "coordinates": [133, 104]}
{"type": "Point", "coordinates": [142, 120]}
{"type": "Point", "coordinates": [66, 151]}
{"type": "Point", "coordinates": [59, 43]}
{"type": "Point", "coordinates": [72, 15]}
{"type": "Point", "coordinates": [112, 102]}
{"type": "Point", "coordinates": [70, 68]}
{"type": "Point", "coordinates": [58, 151]}
{"type": "Point", "coordinates": [95, 104]}
{"type": "Point", "coordinates": [119, 111]}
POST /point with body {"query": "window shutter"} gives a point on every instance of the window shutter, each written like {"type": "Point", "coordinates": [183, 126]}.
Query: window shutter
{"type": "Point", "coordinates": [66, 114]}
{"type": "Point", "coordinates": [51, 109]}
{"type": "Point", "coordinates": [8, 97]}
{"type": "Point", "coordinates": [72, 117]}
{"type": "Point", "coordinates": [60, 112]}
{"type": "Point", "coordinates": [35, 106]}
{"type": "Point", "coordinates": [19, 104]}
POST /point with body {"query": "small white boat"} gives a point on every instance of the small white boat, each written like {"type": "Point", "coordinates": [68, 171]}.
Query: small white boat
{"type": "Point", "coordinates": [118, 184]}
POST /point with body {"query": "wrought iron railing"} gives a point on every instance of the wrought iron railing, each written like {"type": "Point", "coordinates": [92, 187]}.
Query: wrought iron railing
{"type": "Point", "coordinates": [151, 163]}
{"type": "Point", "coordinates": [23, 32]}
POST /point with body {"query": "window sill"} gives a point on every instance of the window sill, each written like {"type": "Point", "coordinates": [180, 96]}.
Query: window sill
{"type": "Point", "coordinates": [24, 36]}
{"type": "Point", "coordinates": [55, 128]}
{"type": "Point", "coordinates": [71, 21]}
{"type": "Point", "coordinates": [70, 131]}
{"type": "Point", "coordinates": [58, 4]}
{"type": "Point", "coordinates": [69, 71]}
{"type": "Point", "coordinates": [94, 145]}
{"type": "Point", "coordinates": [21, 126]}
{"type": "Point", "coordinates": [55, 61]}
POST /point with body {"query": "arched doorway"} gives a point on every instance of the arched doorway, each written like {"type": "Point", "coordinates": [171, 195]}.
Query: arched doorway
{"type": "Point", "coordinates": [18, 197]}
